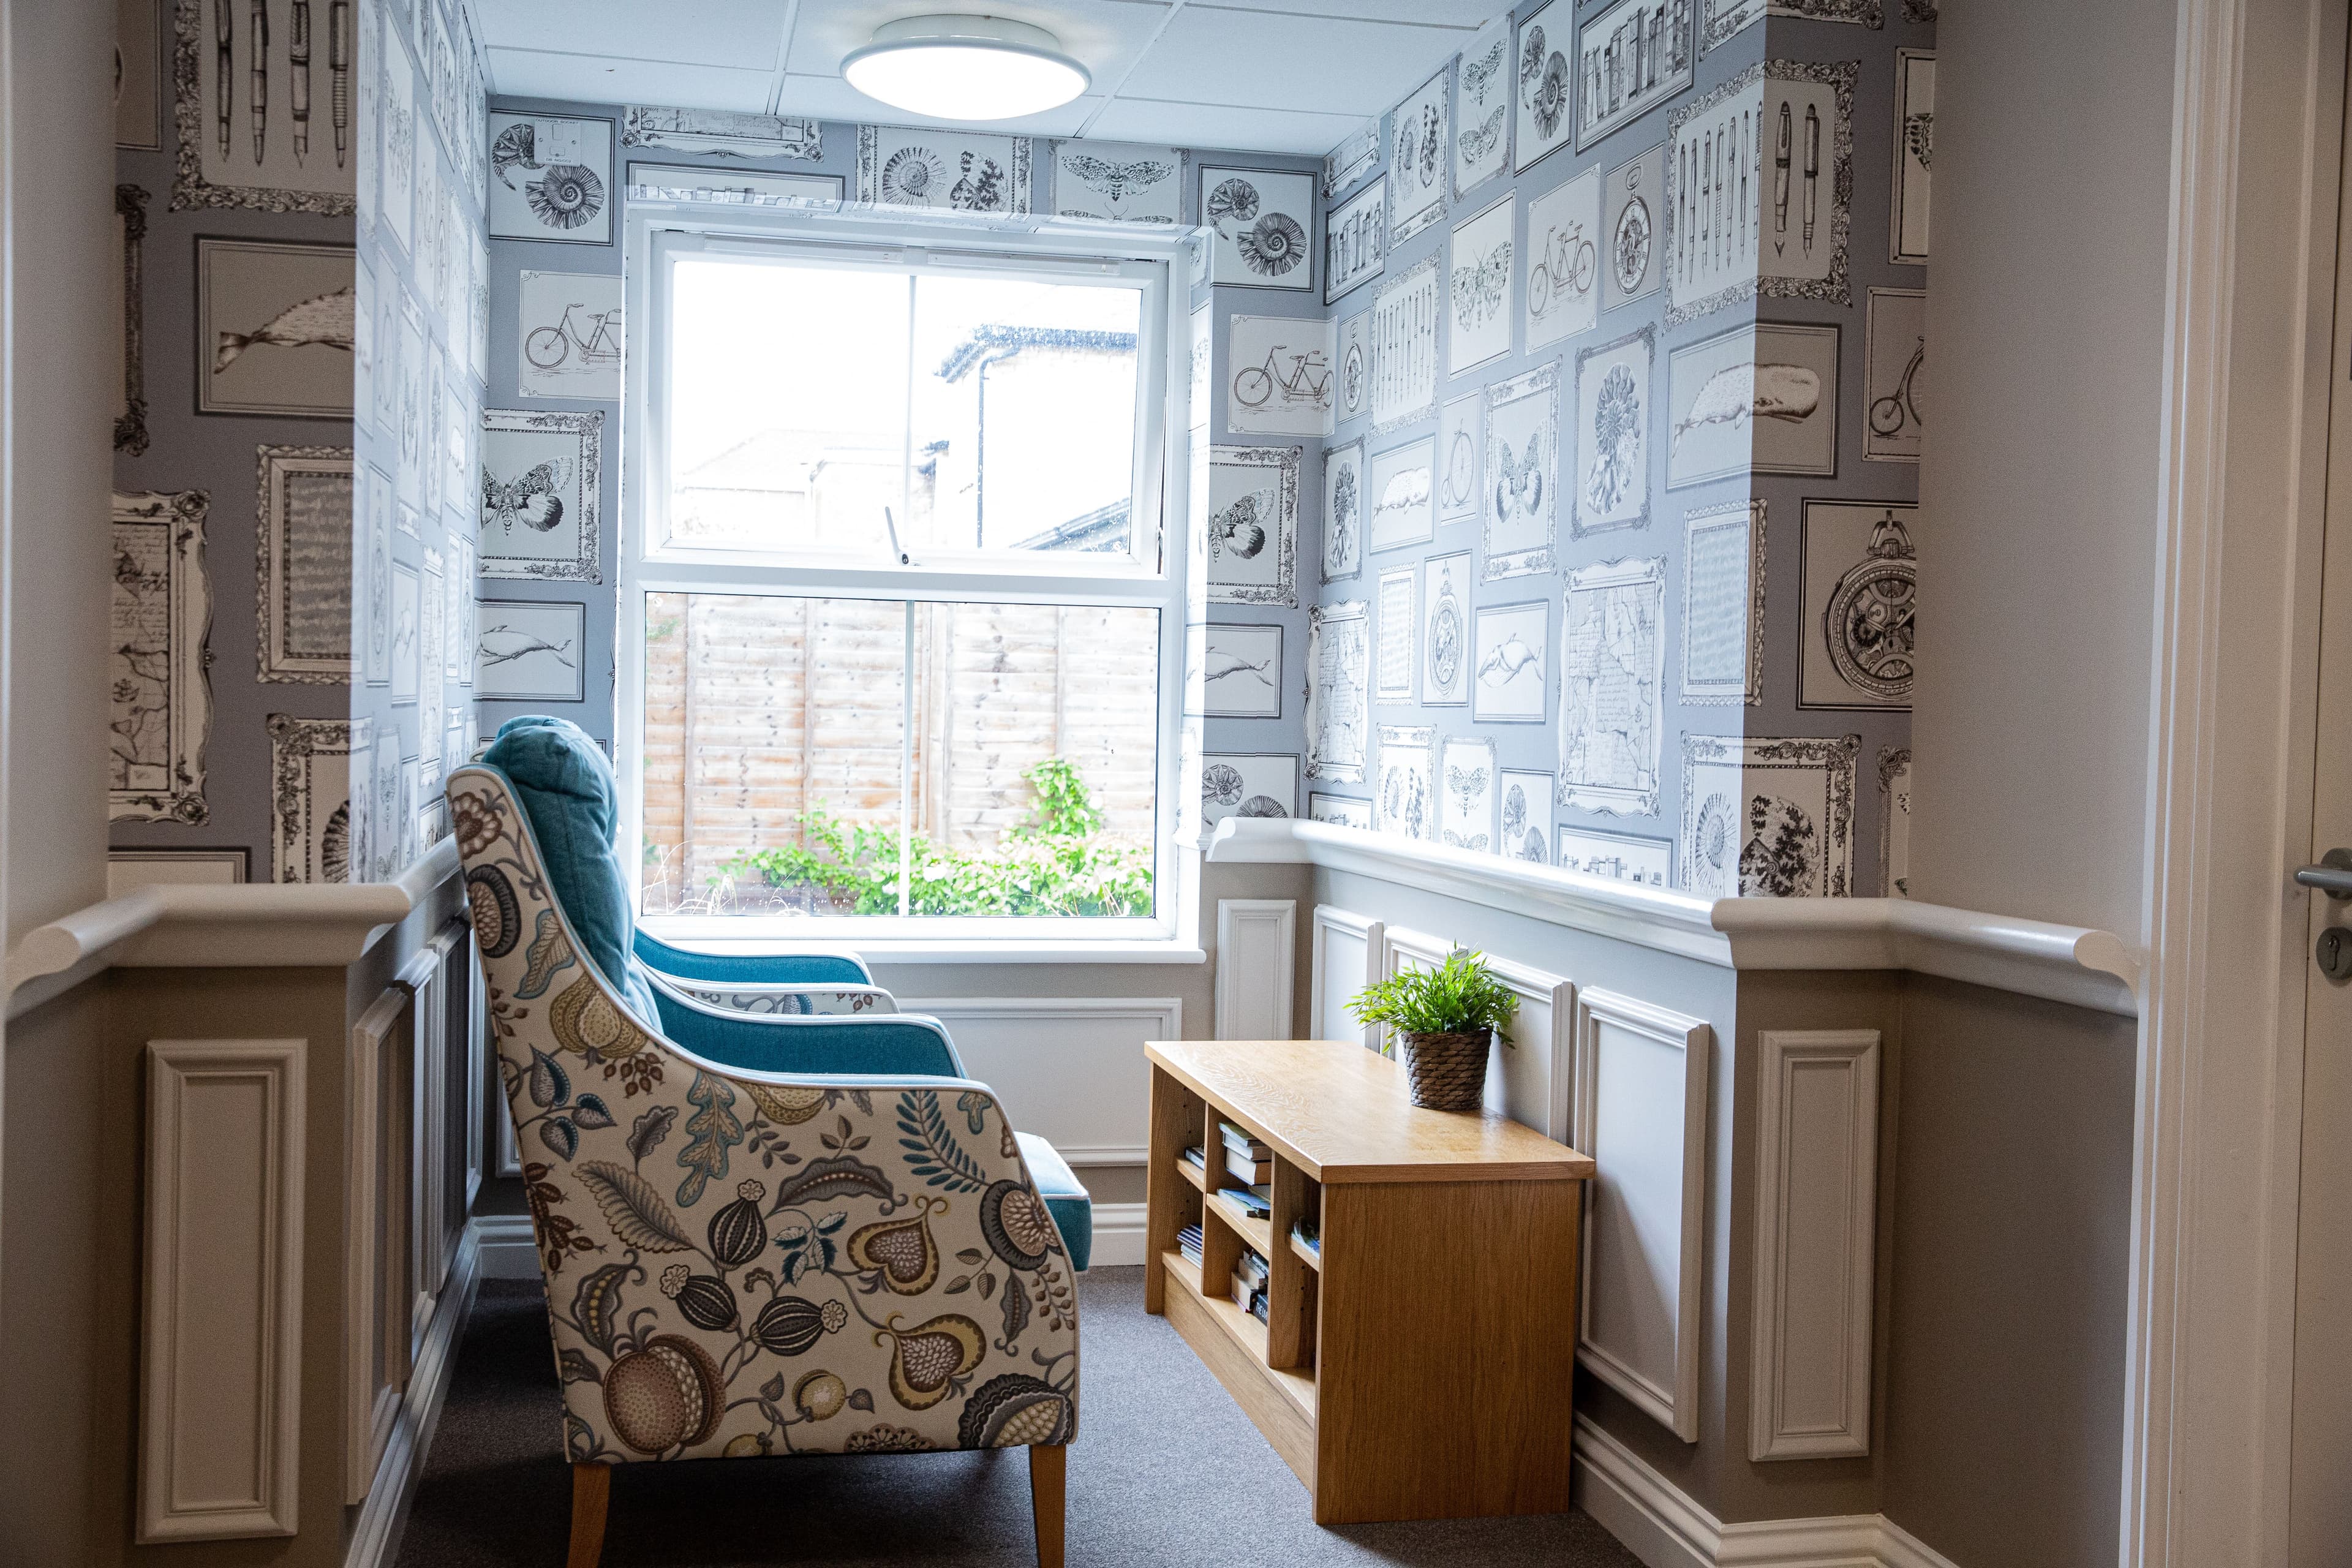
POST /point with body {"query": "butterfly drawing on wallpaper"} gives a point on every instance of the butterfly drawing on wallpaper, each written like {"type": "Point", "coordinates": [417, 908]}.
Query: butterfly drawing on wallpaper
{"type": "Point", "coordinates": [530, 500]}
{"type": "Point", "coordinates": [1479, 140]}
{"type": "Point", "coordinates": [1467, 786]}
{"type": "Point", "coordinates": [1479, 287]}
{"type": "Point", "coordinates": [1478, 74]}
{"type": "Point", "coordinates": [1520, 485]}
{"type": "Point", "coordinates": [1115, 182]}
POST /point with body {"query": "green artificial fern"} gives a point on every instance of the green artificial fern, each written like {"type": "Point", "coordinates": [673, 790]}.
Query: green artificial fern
{"type": "Point", "coordinates": [1461, 997]}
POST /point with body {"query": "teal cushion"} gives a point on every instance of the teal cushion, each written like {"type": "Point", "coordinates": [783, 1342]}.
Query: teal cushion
{"type": "Point", "coordinates": [759, 969]}
{"type": "Point", "coordinates": [1065, 1200]}
{"type": "Point", "coordinates": [895, 1044]}
{"type": "Point", "coordinates": [566, 787]}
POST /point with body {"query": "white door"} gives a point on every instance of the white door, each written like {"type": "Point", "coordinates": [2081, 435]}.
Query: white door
{"type": "Point", "coordinates": [2320, 1500]}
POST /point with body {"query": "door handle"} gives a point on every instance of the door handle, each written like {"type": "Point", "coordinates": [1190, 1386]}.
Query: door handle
{"type": "Point", "coordinates": [2332, 876]}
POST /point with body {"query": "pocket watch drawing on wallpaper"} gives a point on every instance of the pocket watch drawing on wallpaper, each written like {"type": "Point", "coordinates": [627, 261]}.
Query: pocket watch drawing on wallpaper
{"type": "Point", "coordinates": [1869, 617]}
{"type": "Point", "coordinates": [1445, 637]}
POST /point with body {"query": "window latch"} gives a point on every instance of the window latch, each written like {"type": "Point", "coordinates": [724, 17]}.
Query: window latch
{"type": "Point", "coordinates": [892, 524]}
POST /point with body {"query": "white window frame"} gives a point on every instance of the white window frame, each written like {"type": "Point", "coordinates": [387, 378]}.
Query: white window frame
{"type": "Point", "coordinates": [1153, 577]}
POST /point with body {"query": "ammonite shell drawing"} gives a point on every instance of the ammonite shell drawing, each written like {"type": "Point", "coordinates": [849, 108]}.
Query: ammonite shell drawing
{"type": "Point", "coordinates": [1630, 245]}
{"type": "Point", "coordinates": [335, 846]}
{"type": "Point", "coordinates": [1532, 54]}
{"type": "Point", "coordinates": [1221, 784]}
{"type": "Point", "coordinates": [1235, 199]}
{"type": "Point", "coordinates": [665, 1394]}
{"type": "Point", "coordinates": [1616, 441]}
{"type": "Point", "coordinates": [516, 147]}
{"type": "Point", "coordinates": [1715, 846]}
{"type": "Point", "coordinates": [912, 176]}
{"type": "Point", "coordinates": [1550, 101]}
{"type": "Point", "coordinates": [1262, 806]}
{"type": "Point", "coordinates": [566, 196]}
{"type": "Point", "coordinates": [1272, 246]}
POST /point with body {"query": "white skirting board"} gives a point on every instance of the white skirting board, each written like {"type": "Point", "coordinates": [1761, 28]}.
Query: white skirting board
{"type": "Point", "coordinates": [375, 1533]}
{"type": "Point", "coordinates": [1119, 1235]}
{"type": "Point", "coordinates": [1663, 1527]}
{"type": "Point", "coordinates": [507, 1252]}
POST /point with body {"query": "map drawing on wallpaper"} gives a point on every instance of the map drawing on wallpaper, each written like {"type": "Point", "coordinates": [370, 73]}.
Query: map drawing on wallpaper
{"type": "Point", "coordinates": [303, 570]}
{"type": "Point", "coordinates": [1481, 292]}
{"type": "Point", "coordinates": [1895, 374]}
{"type": "Point", "coordinates": [540, 486]}
{"type": "Point", "coordinates": [1524, 815]}
{"type": "Point", "coordinates": [1612, 664]}
{"type": "Point", "coordinates": [1483, 75]}
{"type": "Point", "coordinates": [1241, 784]}
{"type": "Point", "coordinates": [1620, 857]}
{"type": "Point", "coordinates": [730, 134]}
{"type": "Point", "coordinates": [1118, 184]}
{"type": "Point", "coordinates": [1458, 425]}
{"type": "Point", "coordinates": [1914, 139]}
{"type": "Point", "coordinates": [1610, 480]}
{"type": "Point", "coordinates": [1445, 631]}
{"type": "Point", "coordinates": [1355, 242]}
{"type": "Point", "coordinates": [1723, 603]}
{"type": "Point", "coordinates": [1894, 811]}
{"type": "Point", "coordinates": [1343, 512]}
{"type": "Point", "coordinates": [1393, 665]}
{"type": "Point", "coordinates": [1241, 675]}
{"type": "Point", "coordinates": [1260, 217]}
{"type": "Point", "coordinates": [1419, 159]}
{"type": "Point", "coordinates": [1508, 686]}
{"type": "Point", "coordinates": [1354, 392]}
{"type": "Point", "coordinates": [1760, 398]}
{"type": "Point", "coordinates": [1767, 818]}
{"type": "Point", "coordinates": [157, 630]}
{"type": "Point", "coordinates": [1860, 588]}
{"type": "Point", "coordinates": [1564, 260]}
{"type": "Point", "coordinates": [310, 798]}
{"type": "Point", "coordinates": [1338, 810]}
{"type": "Point", "coordinates": [1351, 160]}
{"type": "Point", "coordinates": [1252, 529]}
{"type": "Point", "coordinates": [1407, 803]}
{"type": "Point", "coordinates": [1400, 493]}
{"type": "Point", "coordinates": [1632, 205]}
{"type": "Point", "coordinates": [1540, 103]}
{"type": "Point", "coordinates": [1630, 57]}
{"type": "Point", "coordinates": [1338, 690]}
{"type": "Point", "coordinates": [262, 109]}
{"type": "Point", "coordinates": [1403, 346]}
{"type": "Point", "coordinates": [275, 322]}
{"type": "Point", "coordinates": [1467, 799]}
{"type": "Point", "coordinates": [1521, 499]}
{"type": "Point", "coordinates": [530, 650]}
{"type": "Point", "coordinates": [1282, 376]}
{"type": "Point", "coordinates": [551, 178]}
{"type": "Point", "coordinates": [568, 335]}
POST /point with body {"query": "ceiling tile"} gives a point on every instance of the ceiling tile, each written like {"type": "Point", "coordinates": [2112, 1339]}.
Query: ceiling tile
{"type": "Point", "coordinates": [1104, 35]}
{"type": "Point", "coordinates": [830, 98]}
{"type": "Point", "coordinates": [1260, 59]}
{"type": "Point", "coordinates": [524, 73]}
{"type": "Point", "coordinates": [1232, 130]}
{"type": "Point", "coordinates": [743, 34]}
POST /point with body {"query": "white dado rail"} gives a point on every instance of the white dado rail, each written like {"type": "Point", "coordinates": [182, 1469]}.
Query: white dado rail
{"type": "Point", "coordinates": [2060, 963]}
{"type": "Point", "coordinates": [241, 925]}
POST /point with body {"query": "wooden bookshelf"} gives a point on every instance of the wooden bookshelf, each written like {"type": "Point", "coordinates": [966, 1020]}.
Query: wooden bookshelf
{"type": "Point", "coordinates": [1419, 1367]}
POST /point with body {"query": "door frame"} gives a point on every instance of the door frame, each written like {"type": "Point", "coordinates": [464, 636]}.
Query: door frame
{"type": "Point", "coordinates": [2217, 1113]}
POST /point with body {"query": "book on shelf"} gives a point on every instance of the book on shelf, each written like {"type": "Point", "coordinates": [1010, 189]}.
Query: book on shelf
{"type": "Point", "coordinates": [1255, 1202]}
{"type": "Point", "coordinates": [1309, 1234]}
{"type": "Point", "coordinates": [1188, 1242]}
{"type": "Point", "coordinates": [1197, 1157]}
{"type": "Point", "coordinates": [1250, 1276]}
{"type": "Point", "coordinates": [1250, 1158]}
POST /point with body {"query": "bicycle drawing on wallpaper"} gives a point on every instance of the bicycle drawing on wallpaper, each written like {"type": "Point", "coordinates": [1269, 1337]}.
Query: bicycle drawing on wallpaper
{"type": "Point", "coordinates": [548, 347]}
{"type": "Point", "coordinates": [1309, 380]}
{"type": "Point", "coordinates": [1565, 265]}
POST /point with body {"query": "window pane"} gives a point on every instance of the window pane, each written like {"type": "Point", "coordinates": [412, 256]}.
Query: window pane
{"type": "Point", "coordinates": [774, 729]}
{"type": "Point", "coordinates": [1024, 413]}
{"type": "Point", "coordinates": [788, 398]}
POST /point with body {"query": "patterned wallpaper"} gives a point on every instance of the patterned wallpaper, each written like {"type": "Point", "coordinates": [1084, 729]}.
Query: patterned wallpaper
{"type": "Point", "coordinates": [1635, 462]}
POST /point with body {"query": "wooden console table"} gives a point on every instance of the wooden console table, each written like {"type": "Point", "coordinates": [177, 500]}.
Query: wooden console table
{"type": "Point", "coordinates": [1421, 1366]}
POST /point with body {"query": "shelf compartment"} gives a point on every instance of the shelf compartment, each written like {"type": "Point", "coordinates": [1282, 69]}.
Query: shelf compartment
{"type": "Point", "coordinates": [1246, 1333]}
{"type": "Point", "coordinates": [1255, 1231]}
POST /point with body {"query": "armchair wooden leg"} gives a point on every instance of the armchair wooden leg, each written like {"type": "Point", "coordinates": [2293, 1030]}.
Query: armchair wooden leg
{"type": "Point", "coordinates": [1047, 1470]}
{"type": "Point", "coordinates": [592, 1486]}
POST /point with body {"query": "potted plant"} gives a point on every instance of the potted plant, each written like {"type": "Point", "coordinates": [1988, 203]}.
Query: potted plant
{"type": "Point", "coordinates": [1444, 1016]}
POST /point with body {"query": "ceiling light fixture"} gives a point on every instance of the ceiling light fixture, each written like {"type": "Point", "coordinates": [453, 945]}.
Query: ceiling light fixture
{"type": "Point", "coordinates": [965, 68]}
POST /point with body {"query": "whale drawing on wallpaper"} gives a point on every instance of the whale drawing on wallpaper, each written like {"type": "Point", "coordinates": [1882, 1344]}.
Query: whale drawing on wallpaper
{"type": "Point", "coordinates": [1505, 660]}
{"type": "Point", "coordinates": [1407, 490]}
{"type": "Point", "coordinates": [1739, 393]}
{"type": "Point", "coordinates": [326, 320]}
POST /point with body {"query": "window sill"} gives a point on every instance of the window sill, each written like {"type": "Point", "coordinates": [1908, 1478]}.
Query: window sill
{"type": "Point", "coordinates": [943, 949]}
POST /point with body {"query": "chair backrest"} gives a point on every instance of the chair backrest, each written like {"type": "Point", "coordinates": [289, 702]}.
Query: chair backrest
{"type": "Point", "coordinates": [781, 1001]}
{"type": "Point", "coordinates": [804, 966]}
{"type": "Point", "coordinates": [742, 1263]}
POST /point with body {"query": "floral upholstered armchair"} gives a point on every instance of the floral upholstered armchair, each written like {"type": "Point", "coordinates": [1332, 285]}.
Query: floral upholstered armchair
{"type": "Point", "coordinates": [745, 1262]}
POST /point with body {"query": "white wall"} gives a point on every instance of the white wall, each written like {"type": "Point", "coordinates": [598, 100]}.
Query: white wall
{"type": "Point", "coordinates": [2046, 319]}
{"type": "Point", "coordinates": [59, 405]}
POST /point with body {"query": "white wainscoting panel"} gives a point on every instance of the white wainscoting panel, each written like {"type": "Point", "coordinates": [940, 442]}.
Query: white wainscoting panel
{"type": "Point", "coordinates": [476, 1110]}
{"type": "Point", "coordinates": [1816, 1223]}
{"type": "Point", "coordinates": [1346, 959]}
{"type": "Point", "coordinates": [220, 1365]}
{"type": "Point", "coordinates": [1257, 945]}
{"type": "Point", "coordinates": [1640, 1101]}
{"type": "Point", "coordinates": [1068, 1069]}
{"type": "Point", "coordinates": [374, 1247]}
{"type": "Point", "coordinates": [1531, 1080]}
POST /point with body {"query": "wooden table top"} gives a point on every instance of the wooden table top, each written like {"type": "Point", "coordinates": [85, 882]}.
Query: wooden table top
{"type": "Point", "coordinates": [1342, 1113]}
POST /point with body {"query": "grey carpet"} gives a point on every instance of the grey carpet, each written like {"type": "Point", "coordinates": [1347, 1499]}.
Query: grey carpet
{"type": "Point", "coordinates": [1166, 1468]}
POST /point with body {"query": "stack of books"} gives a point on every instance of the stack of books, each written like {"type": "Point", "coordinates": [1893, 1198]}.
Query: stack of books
{"type": "Point", "coordinates": [1255, 1201]}
{"type": "Point", "coordinates": [1249, 1159]}
{"type": "Point", "coordinates": [1250, 1275]}
{"type": "Point", "coordinates": [1188, 1242]}
{"type": "Point", "coordinates": [1309, 1234]}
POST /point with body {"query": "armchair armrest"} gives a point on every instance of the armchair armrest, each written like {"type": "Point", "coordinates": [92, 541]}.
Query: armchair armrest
{"type": "Point", "coordinates": [799, 999]}
{"type": "Point", "coordinates": [900, 1044]}
{"type": "Point", "coordinates": [808, 966]}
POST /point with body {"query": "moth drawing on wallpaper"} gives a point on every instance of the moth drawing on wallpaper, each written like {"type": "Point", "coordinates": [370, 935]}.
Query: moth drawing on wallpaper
{"type": "Point", "coordinates": [1480, 287]}
{"type": "Point", "coordinates": [1482, 105]}
{"type": "Point", "coordinates": [533, 499]}
{"type": "Point", "coordinates": [1520, 506]}
{"type": "Point", "coordinates": [1115, 180]}
{"type": "Point", "coordinates": [1468, 769]}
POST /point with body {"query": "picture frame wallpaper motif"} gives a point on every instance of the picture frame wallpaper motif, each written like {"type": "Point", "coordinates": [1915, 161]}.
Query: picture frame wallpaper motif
{"type": "Point", "coordinates": [551, 178]}
{"type": "Point", "coordinates": [160, 624]}
{"type": "Point", "coordinates": [541, 494]}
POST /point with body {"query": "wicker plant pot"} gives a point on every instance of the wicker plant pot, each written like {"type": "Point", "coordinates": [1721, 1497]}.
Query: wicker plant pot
{"type": "Point", "coordinates": [1447, 1072]}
